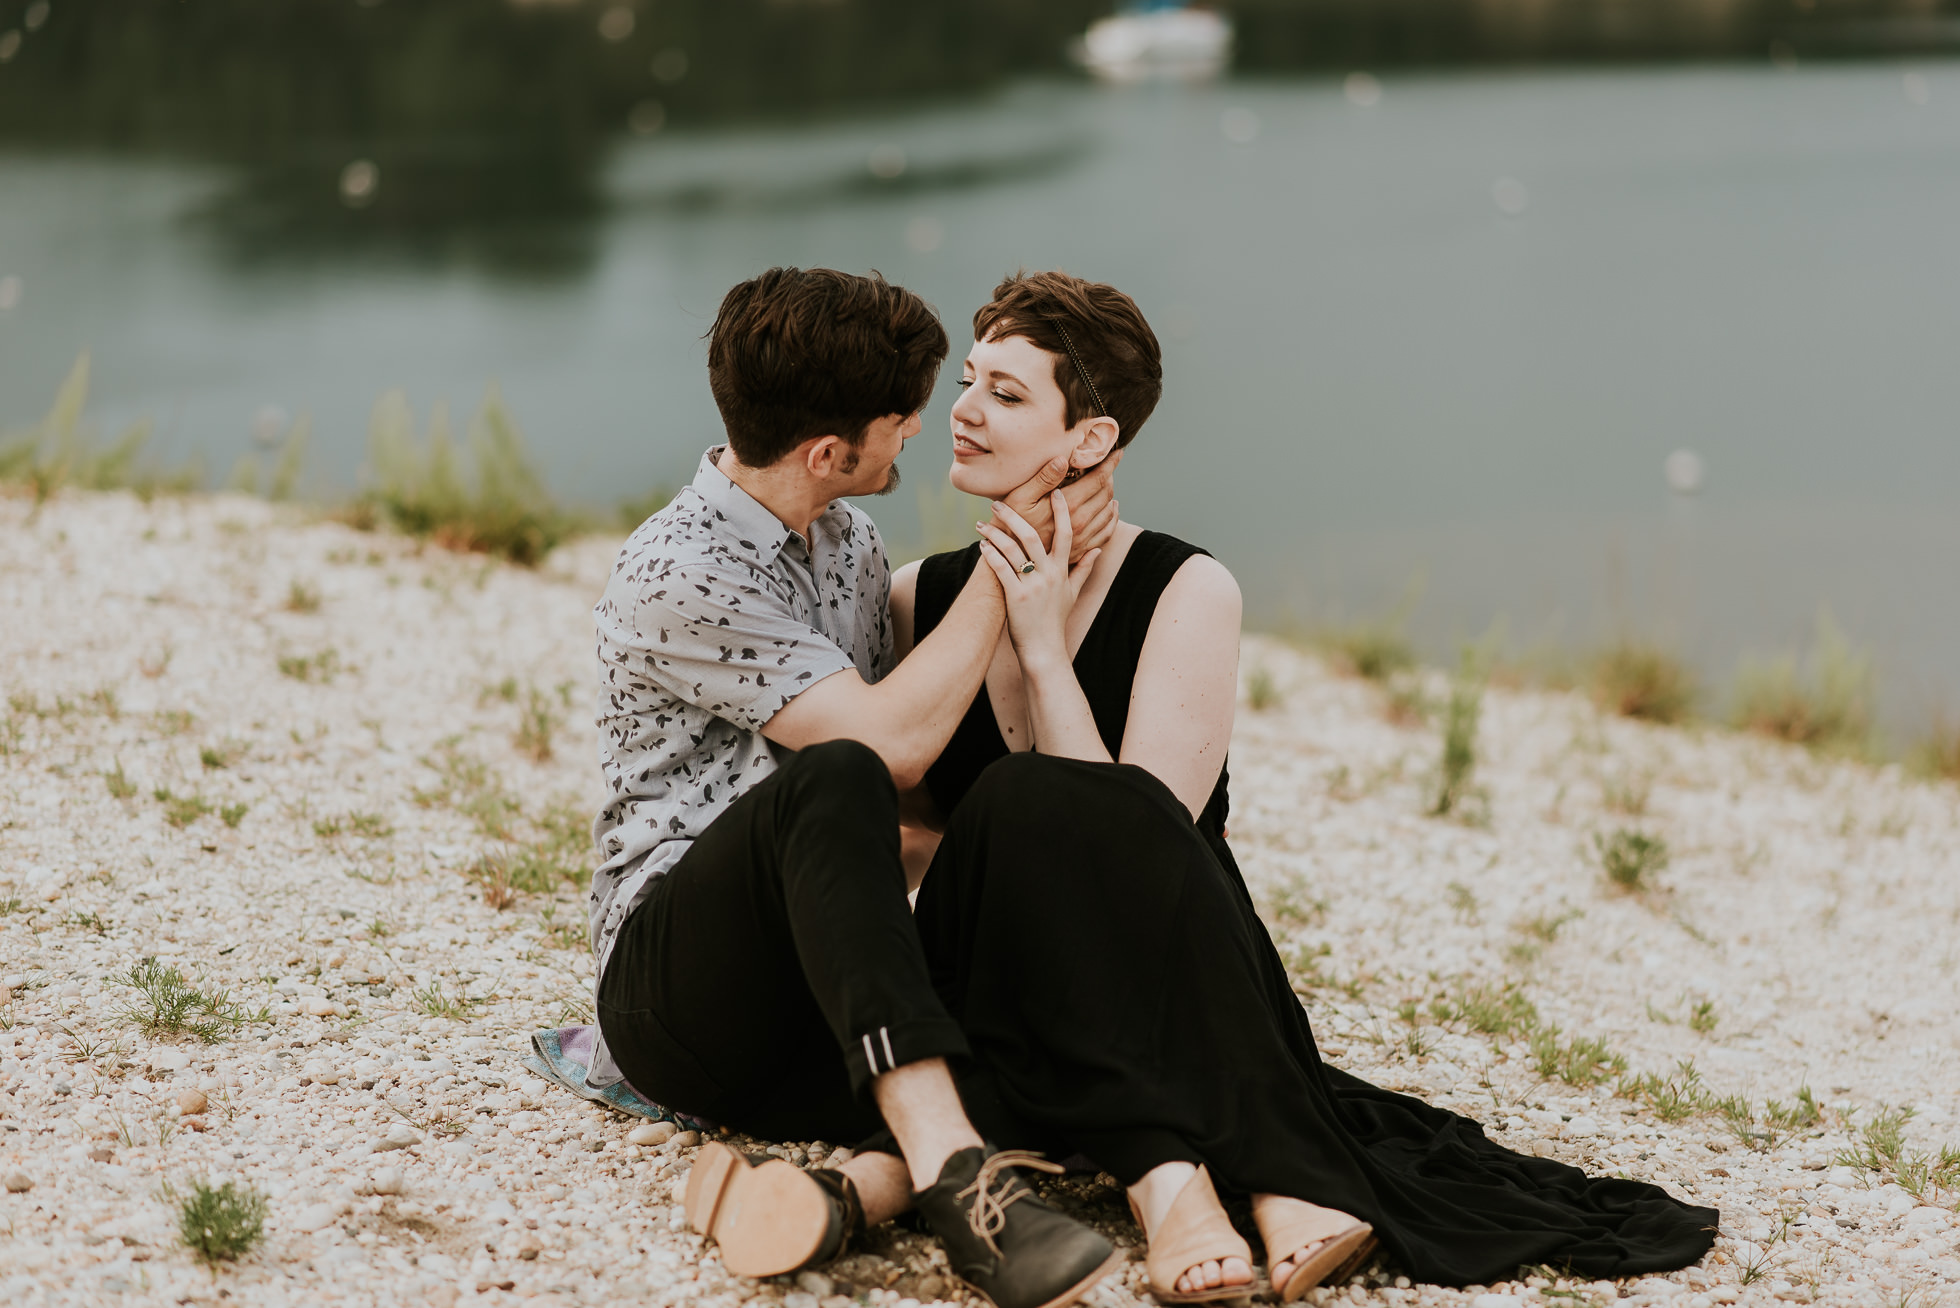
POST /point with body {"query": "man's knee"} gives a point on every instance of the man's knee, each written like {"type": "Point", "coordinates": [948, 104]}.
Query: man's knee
{"type": "Point", "coordinates": [847, 768]}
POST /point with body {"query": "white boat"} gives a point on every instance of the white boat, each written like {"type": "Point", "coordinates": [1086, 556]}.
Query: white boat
{"type": "Point", "coordinates": [1157, 41]}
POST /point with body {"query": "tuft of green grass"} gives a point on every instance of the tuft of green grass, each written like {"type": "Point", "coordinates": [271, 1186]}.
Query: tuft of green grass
{"type": "Point", "coordinates": [232, 814]}
{"type": "Point", "coordinates": [310, 668]}
{"type": "Point", "coordinates": [432, 1001]}
{"type": "Point", "coordinates": [1823, 702]}
{"type": "Point", "coordinates": [1644, 682]}
{"type": "Point", "coordinates": [535, 725]}
{"type": "Point", "coordinates": [1261, 691]}
{"type": "Point", "coordinates": [1630, 859]}
{"type": "Point", "coordinates": [1582, 1061]}
{"type": "Point", "coordinates": [168, 1004]}
{"type": "Point", "coordinates": [556, 857]}
{"type": "Point", "coordinates": [499, 507]}
{"type": "Point", "coordinates": [221, 1223]}
{"type": "Point", "coordinates": [1702, 1017]}
{"type": "Point", "coordinates": [563, 935]}
{"type": "Point", "coordinates": [120, 786]}
{"type": "Point", "coordinates": [1938, 755]}
{"type": "Point", "coordinates": [1673, 1098]}
{"type": "Point", "coordinates": [60, 451]}
{"type": "Point", "coordinates": [302, 598]}
{"type": "Point", "coordinates": [181, 810]}
{"type": "Point", "coordinates": [467, 785]}
{"type": "Point", "coordinates": [368, 826]}
{"type": "Point", "coordinates": [174, 722]}
{"type": "Point", "coordinates": [1490, 1010]}
{"type": "Point", "coordinates": [1455, 773]}
{"type": "Point", "coordinates": [1372, 650]}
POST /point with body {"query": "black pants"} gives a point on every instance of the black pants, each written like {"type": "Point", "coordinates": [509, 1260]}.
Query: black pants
{"type": "Point", "coordinates": [775, 969]}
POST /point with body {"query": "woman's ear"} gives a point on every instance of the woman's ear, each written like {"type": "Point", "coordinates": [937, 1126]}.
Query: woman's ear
{"type": "Point", "coordinates": [1097, 440]}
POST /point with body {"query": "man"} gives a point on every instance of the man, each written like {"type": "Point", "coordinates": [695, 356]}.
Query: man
{"type": "Point", "coordinates": [757, 960]}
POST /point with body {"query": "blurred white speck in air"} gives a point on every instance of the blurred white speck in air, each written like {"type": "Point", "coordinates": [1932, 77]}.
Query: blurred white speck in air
{"type": "Point", "coordinates": [37, 14]}
{"type": "Point", "coordinates": [1683, 470]}
{"type": "Point", "coordinates": [670, 65]}
{"type": "Point", "coordinates": [646, 118]}
{"type": "Point", "coordinates": [1241, 126]}
{"type": "Point", "coordinates": [1509, 195]}
{"type": "Point", "coordinates": [9, 45]}
{"type": "Point", "coordinates": [1363, 90]}
{"type": "Point", "coordinates": [9, 292]}
{"type": "Point", "coordinates": [616, 23]}
{"type": "Point", "coordinates": [358, 183]}
{"type": "Point", "coordinates": [924, 234]}
{"type": "Point", "coordinates": [268, 425]}
{"type": "Point", "coordinates": [1916, 90]}
{"type": "Point", "coordinates": [886, 161]}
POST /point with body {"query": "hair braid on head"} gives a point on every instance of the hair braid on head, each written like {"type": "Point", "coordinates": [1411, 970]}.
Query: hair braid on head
{"type": "Point", "coordinates": [1080, 371]}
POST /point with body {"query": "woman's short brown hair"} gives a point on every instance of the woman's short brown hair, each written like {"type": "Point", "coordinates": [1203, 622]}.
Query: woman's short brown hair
{"type": "Point", "coordinates": [804, 352]}
{"type": "Point", "coordinates": [1113, 344]}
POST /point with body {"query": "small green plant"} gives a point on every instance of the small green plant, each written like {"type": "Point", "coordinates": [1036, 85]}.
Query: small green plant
{"type": "Point", "coordinates": [1938, 755]}
{"type": "Point", "coordinates": [1702, 1017]}
{"type": "Point", "coordinates": [1373, 650]}
{"type": "Point", "coordinates": [432, 1001]}
{"type": "Point", "coordinates": [311, 668]}
{"type": "Point", "coordinates": [302, 598]}
{"type": "Point", "coordinates": [232, 814]}
{"type": "Point", "coordinates": [1261, 691]}
{"type": "Point", "coordinates": [1454, 789]}
{"type": "Point", "coordinates": [1930, 1178]}
{"type": "Point", "coordinates": [1490, 1010]}
{"type": "Point", "coordinates": [181, 810]}
{"type": "Point", "coordinates": [1644, 682]}
{"type": "Point", "coordinates": [219, 1224]}
{"type": "Point", "coordinates": [1631, 859]}
{"type": "Point", "coordinates": [368, 826]}
{"type": "Point", "coordinates": [104, 700]}
{"type": "Point", "coordinates": [168, 1004]}
{"type": "Point", "coordinates": [10, 900]}
{"type": "Point", "coordinates": [60, 451]}
{"type": "Point", "coordinates": [120, 786]}
{"type": "Point", "coordinates": [466, 785]}
{"type": "Point", "coordinates": [1672, 1098]}
{"type": "Point", "coordinates": [174, 722]}
{"type": "Point", "coordinates": [563, 935]}
{"type": "Point", "coordinates": [1582, 1061]}
{"type": "Point", "coordinates": [535, 724]}
{"type": "Point", "coordinates": [422, 488]}
{"type": "Point", "coordinates": [90, 921]}
{"type": "Point", "coordinates": [1462, 900]}
{"type": "Point", "coordinates": [1825, 703]}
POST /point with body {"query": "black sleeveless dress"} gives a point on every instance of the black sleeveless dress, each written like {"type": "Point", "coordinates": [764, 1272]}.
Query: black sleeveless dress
{"type": "Point", "coordinates": [1124, 1001]}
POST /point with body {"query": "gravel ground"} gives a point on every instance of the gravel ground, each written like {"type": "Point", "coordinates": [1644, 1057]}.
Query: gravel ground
{"type": "Point", "coordinates": [267, 752]}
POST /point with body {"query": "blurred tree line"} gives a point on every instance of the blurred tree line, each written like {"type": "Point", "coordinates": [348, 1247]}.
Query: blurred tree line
{"type": "Point", "coordinates": [416, 114]}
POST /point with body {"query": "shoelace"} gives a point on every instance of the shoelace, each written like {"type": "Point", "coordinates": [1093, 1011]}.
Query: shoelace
{"type": "Point", "coordinates": [989, 1212]}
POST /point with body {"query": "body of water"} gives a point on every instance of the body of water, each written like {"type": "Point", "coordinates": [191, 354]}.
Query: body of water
{"type": "Point", "coordinates": [1431, 335]}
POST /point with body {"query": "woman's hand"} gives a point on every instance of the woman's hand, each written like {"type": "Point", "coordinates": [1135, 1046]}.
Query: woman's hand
{"type": "Point", "coordinates": [1040, 585]}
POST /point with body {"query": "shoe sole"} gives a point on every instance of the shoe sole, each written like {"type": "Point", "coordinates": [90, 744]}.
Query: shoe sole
{"type": "Point", "coordinates": [1338, 1257]}
{"type": "Point", "coordinates": [768, 1218]}
{"type": "Point", "coordinates": [1115, 1260]}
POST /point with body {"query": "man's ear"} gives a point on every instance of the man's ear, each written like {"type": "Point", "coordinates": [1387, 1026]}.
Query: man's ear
{"type": "Point", "coordinates": [1097, 440]}
{"type": "Point", "coordinates": [821, 455]}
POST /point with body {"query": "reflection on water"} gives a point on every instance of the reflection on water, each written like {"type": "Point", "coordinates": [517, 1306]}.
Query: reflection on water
{"type": "Point", "coordinates": [1447, 326]}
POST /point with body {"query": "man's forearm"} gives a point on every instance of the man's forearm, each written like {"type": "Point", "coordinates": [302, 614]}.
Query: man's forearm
{"type": "Point", "coordinates": [920, 704]}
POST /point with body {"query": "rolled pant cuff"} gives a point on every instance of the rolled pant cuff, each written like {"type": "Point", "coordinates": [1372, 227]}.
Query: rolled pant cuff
{"type": "Point", "coordinates": [885, 1048]}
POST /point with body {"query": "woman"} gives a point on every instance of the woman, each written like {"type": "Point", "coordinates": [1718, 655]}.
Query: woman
{"type": "Point", "coordinates": [1089, 928]}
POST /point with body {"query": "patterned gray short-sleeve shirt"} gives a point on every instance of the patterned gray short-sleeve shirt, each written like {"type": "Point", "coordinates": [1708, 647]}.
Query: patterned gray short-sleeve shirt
{"type": "Point", "coordinates": [716, 615]}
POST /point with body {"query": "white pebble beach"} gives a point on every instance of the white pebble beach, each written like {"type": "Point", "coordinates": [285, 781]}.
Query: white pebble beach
{"type": "Point", "coordinates": [312, 729]}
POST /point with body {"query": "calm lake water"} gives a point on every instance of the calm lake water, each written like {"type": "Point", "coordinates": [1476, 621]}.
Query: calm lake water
{"type": "Point", "coordinates": [1435, 345]}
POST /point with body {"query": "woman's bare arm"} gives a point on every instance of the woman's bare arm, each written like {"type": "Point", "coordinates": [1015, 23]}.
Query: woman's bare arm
{"type": "Point", "coordinates": [1186, 690]}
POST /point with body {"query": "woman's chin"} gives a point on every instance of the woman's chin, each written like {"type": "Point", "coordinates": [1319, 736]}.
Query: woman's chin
{"type": "Point", "coordinates": [971, 481]}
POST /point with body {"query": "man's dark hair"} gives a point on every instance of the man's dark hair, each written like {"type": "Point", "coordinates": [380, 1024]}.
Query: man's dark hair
{"type": "Point", "coordinates": [804, 352]}
{"type": "Point", "coordinates": [1113, 345]}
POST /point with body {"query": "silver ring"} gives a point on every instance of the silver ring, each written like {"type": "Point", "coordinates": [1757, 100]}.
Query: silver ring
{"type": "Point", "coordinates": [1027, 567]}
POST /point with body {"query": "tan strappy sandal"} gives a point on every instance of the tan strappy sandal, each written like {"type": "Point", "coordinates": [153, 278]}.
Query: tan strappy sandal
{"type": "Point", "coordinates": [1324, 1243]}
{"type": "Point", "coordinates": [1194, 1231]}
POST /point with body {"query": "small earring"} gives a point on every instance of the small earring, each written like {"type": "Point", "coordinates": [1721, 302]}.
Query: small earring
{"type": "Point", "coordinates": [1074, 475]}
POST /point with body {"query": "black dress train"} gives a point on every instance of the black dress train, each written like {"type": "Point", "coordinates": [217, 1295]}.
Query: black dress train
{"type": "Point", "coordinates": [1123, 1000]}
